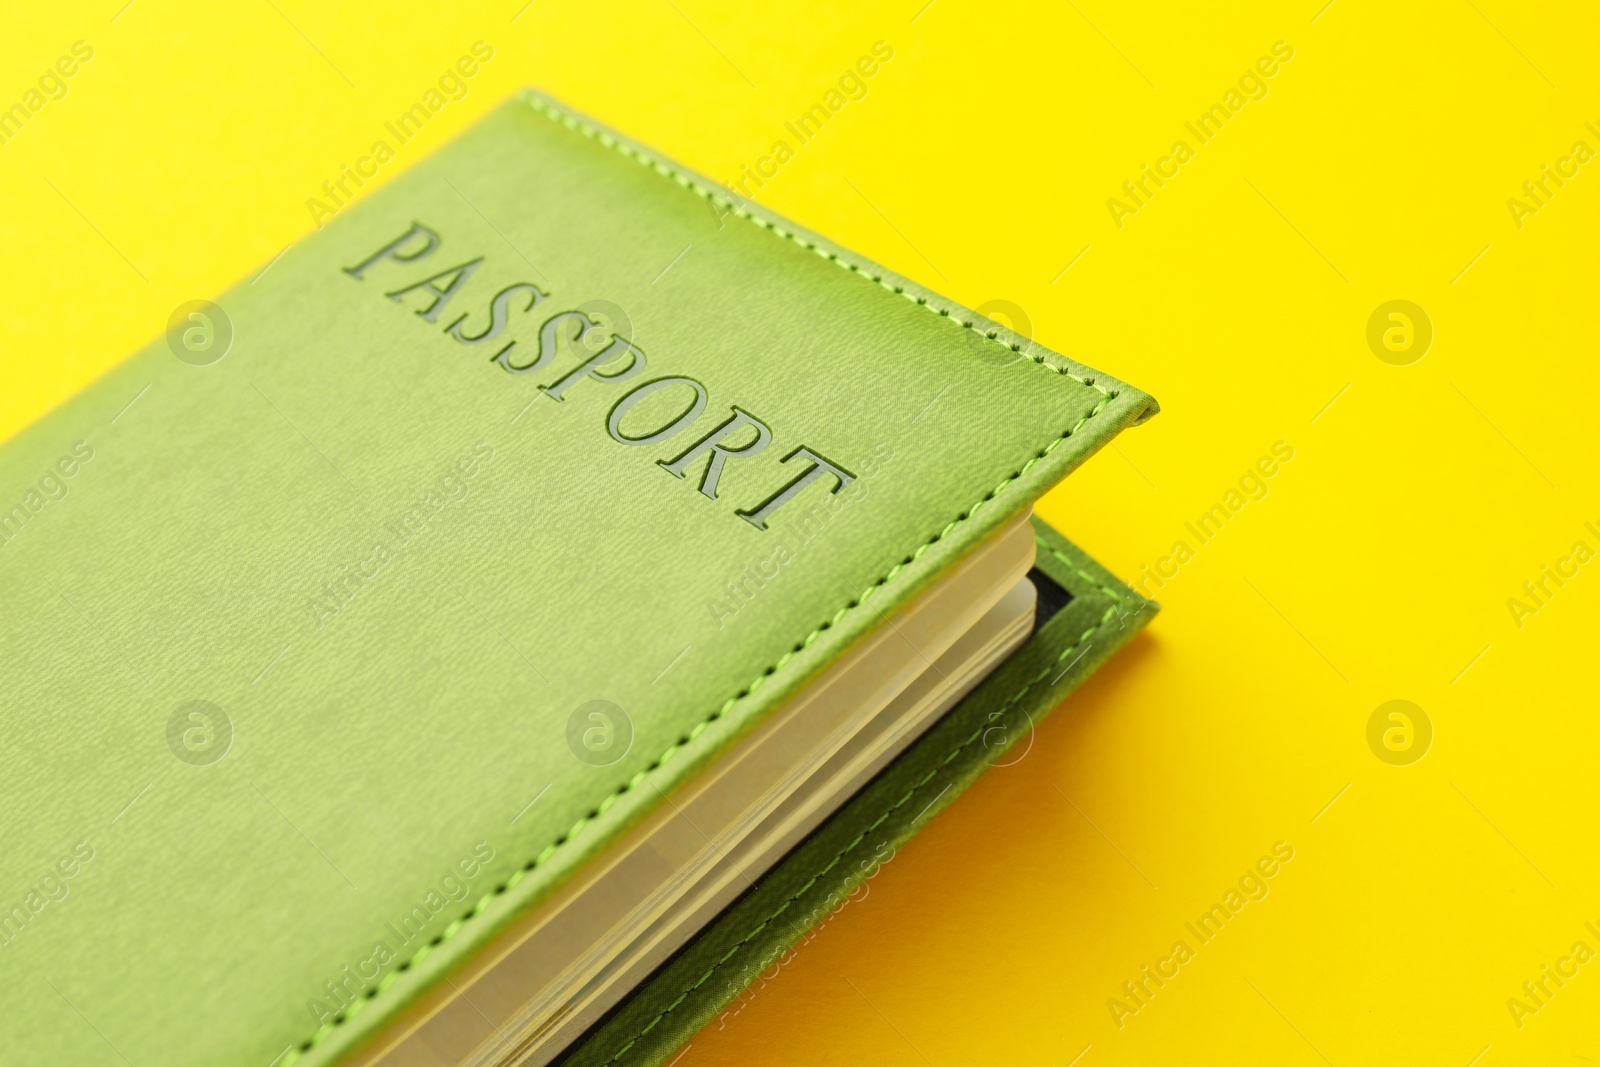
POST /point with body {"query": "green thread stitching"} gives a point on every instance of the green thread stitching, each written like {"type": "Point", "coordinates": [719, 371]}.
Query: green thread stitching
{"type": "Point", "coordinates": [573, 122]}
{"type": "Point", "coordinates": [1079, 571]}
{"type": "Point", "coordinates": [797, 894]}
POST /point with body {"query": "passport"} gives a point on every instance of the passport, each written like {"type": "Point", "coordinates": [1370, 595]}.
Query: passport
{"type": "Point", "coordinates": [427, 596]}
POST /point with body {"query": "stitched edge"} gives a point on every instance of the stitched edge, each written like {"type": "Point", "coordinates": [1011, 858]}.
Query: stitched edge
{"type": "Point", "coordinates": [595, 133]}
{"type": "Point", "coordinates": [683, 178]}
{"type": "Point", "coordinates": [890, 810]}
{"type": "Point", "coordinates": [1075, 569]}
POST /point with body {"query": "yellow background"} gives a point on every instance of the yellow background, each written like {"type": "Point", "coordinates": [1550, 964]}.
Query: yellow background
{"type": "Point", "coordinates": [1378, 567]}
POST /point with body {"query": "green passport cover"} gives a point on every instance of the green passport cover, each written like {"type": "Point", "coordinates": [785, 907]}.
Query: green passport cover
{"type": "Point", "coordinates": [349, 618]}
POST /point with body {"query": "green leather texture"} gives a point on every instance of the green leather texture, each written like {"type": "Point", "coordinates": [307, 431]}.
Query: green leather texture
{"type": "Point", "coordinates": [986, 729]}
{"type": "Point", "coordinates": [302, 643]}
